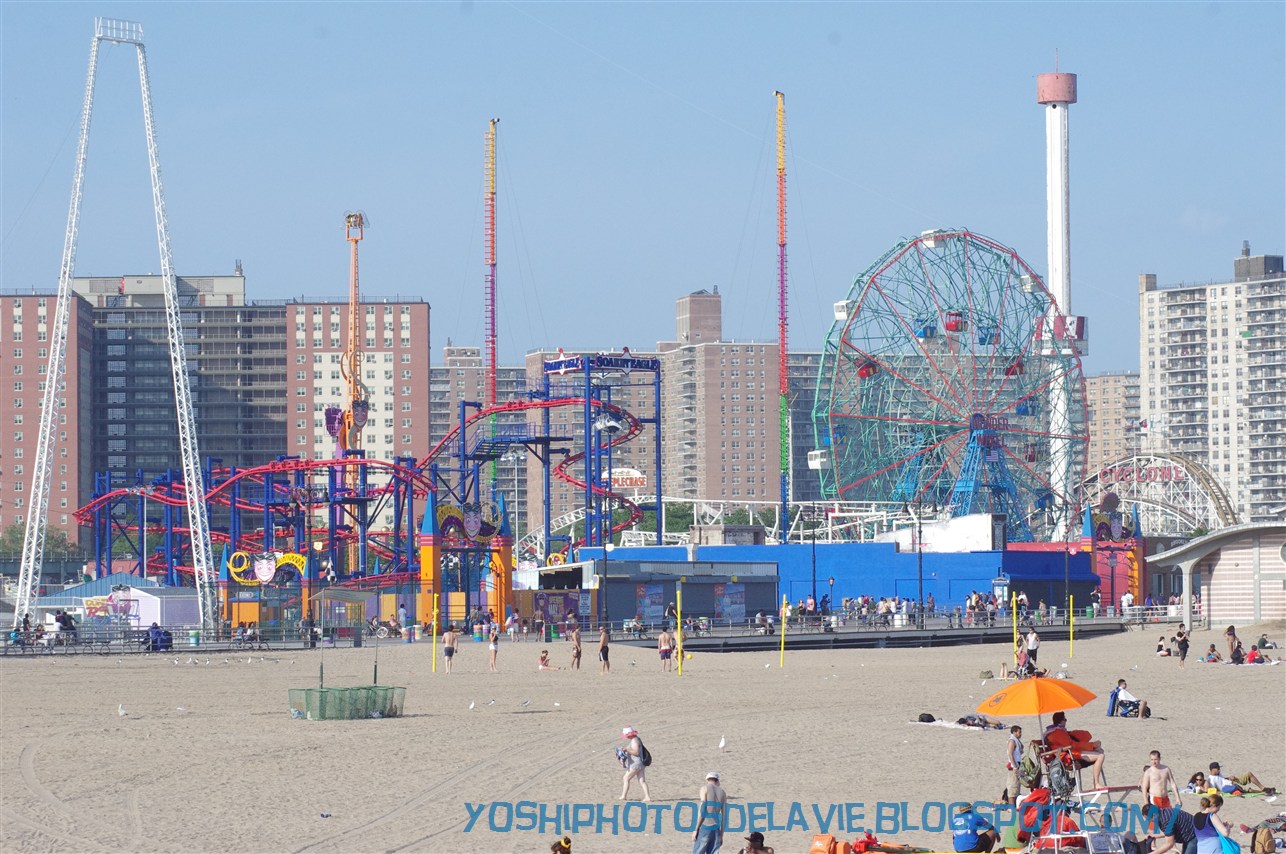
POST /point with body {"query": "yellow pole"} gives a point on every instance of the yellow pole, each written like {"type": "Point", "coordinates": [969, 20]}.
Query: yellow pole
{"type": "Point", "coordinates": [435, 632]}
{"type": "Point", "coordinates": [1071, 624]}
{"type": "Point", "coordinates": [785, 604]}
{"type": "Point", "coordinates": [678, 600]}
{"type": "Point", "coordinates": [1013, 614]}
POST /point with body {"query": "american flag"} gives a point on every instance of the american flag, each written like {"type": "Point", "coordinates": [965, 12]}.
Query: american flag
{"type": "Point", "coordinates": [991, 455]}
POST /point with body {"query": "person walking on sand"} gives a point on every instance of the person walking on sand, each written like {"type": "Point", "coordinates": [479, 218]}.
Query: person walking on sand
{"type": "Point", "coordinates": [576, 647]}
{"type": "Point", "coordinates": [493, 647]}
{"type": "Point", "coordinates": [1033, 643]}
{"type": "Point", "coordinates": [712, 801]}
{"type": "Point", "coordinates": [631, 757]}
{"type": "Point", "coordinates": [666, 653]}
{"type": "Point", "coordinates": [1181, 638]}
{"type": "Point", "coordinates": [605, 666]}
{"type": "Point", "coordinates": [449, 640]}
{"type": "Point", "coordinates": [1157, 783]}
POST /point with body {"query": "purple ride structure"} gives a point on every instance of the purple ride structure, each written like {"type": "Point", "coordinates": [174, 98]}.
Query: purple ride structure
{"type": "Point", "coordinates": [938, 386]}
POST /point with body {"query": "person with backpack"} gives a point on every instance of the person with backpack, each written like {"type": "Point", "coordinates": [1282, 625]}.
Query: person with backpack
{"type": "Point", "coordinates": [1013, 760]}
{"type": "Point", "coordinates": [636, 758]}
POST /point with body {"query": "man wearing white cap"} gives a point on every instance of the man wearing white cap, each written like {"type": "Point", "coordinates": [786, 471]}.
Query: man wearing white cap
{"type": "Point", "coordinates": [632, 757]}
{"type": "Point", "coordinates": [711, 802]}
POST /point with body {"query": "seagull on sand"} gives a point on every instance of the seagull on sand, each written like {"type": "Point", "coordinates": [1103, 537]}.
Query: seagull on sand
{"type": "Point", "coordinates": [491, 702]}
{"type": "Point", "coordinates": [723, 742]}
{"type": "Point", "coordinates": [471, 705]}
{"type": "Point", "coordinates": [120, 710]}
{"type": "Point", "coordinates": [525, 703]}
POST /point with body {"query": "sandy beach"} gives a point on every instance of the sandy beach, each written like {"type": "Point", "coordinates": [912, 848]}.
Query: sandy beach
{"type": "Point", "coordinates": [206, 757]}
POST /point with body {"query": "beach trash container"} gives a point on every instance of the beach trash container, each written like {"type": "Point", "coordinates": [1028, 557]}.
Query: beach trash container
{"type": "Point", "coordinates": [1089, 612]}
{"type": "Point", "coordinates": [357, 636]}
{"type": "Point", "coordinates": [397, 700]}
{"type": "Point", "coordinates": [360, 703]}
{"type": "Point", "coordinates": [298, 703]}
{"type": "Point", "coordinates": [379, 702]}
{"type": "Point", "coordinates": [194, 638]}
{"type": "Point", "coordinates": [899, 620]}
{"type": "Point", "coordinates": [477, 632]}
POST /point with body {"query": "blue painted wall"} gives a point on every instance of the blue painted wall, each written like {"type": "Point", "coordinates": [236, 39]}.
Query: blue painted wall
{"type": "Point", "coordinates": [878, 569]}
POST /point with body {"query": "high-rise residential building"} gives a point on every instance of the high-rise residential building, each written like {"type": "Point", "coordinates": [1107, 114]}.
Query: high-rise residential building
{"type": "Point", "coordinates": [719, 409]}
{"type": "Point", "coordinates": [1213, 378]}
{"type": "Point", "coordinates": [236, 373]}
{"type": "Point", "coordinates": [462, 377]}
{"type": "Point", "coordinates": [258, 391]}
{"type": "Point", "coordinates": [1112, 412]}
{"type": "Point", "coordinates": [25, 321]}
{"type": "Point", "coordinates": [395, 370]}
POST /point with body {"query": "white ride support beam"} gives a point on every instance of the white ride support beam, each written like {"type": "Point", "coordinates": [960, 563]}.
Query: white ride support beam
{"type": "Point", "coordinates": [129, 33]}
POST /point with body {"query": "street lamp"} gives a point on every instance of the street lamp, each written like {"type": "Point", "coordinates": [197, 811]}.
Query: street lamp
{"type": "Point", "coordinates": [831, 596]}
{"type": "Point", "coordinates": [1071, 549]}
{"type": "Point", "coordinates": [919, 556]}
{"type": "Point", "coordinates": [602, 589]}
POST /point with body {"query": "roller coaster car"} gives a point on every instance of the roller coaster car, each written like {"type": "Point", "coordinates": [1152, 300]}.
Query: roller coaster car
{"type": "Point", "coordinates": [1015, 368]}
{"type": "Point", "coordinates": [956, 321]}
{"type": "Point", "coordinates": [868, 370]}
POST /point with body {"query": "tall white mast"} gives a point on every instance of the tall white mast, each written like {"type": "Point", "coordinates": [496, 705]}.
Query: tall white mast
{"type": "Point", "coordinates": [1063, 333]}
{"type": "Point", "coordinates": [120, 32]}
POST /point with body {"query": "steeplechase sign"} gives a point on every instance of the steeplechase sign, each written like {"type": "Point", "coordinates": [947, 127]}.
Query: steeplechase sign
{"type": "Point", "coordinates": [602, 362]}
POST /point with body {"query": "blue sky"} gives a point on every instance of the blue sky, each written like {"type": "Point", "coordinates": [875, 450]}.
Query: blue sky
{"type": "Point", "coordinates": [636, 150]}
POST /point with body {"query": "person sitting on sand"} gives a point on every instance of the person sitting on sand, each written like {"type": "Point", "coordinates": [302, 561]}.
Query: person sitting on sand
{"type": "Point", "coordinates": [1163, 651]}
{"type": "Point", "coordinates": [1238, 654]}
{"type": "Point", "coordinates": [971, 832]}
{"type": "Point", "coordinates": [1256, 656]}
{"type": "Point", "coordinates": [755, 845]}
{"type": "Point", "coordinates": [1247, 782]}
{"type": "Point", "coordinates": [1264, 643]}
{"type": "Point", "coordinates": [544, 661]}
{"type": "Point", "coordinates": [561, 846]}
{"type": "Point", "coordinates": [1196, 784]}
{"type": "Point", "coordinates": [1079, 743]}
{"type": "Point", "coordinates": [1212, 655]}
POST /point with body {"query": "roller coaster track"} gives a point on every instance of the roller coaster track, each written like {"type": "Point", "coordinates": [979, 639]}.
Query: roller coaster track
{"type": "Point", "coordinates": [222, 494]}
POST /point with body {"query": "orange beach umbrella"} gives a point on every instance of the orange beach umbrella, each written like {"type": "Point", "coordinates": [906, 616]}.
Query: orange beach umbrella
{"type": "Point", "coordinates": [1036, 696]}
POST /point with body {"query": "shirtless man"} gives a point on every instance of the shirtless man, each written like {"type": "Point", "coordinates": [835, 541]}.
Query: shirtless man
{"type": "Point", "coordinates": [664, 650]}
{"type": "Point", "coordinates": [1157, 783]}
{"type": "Point", "coordinates": [576, 650]}
{"type": "Point", "coordinates": [713, 800]}
{"type": "Point", "coordinates": [605, 665]}
{"type": "Point", "coordinates": [449, 640]}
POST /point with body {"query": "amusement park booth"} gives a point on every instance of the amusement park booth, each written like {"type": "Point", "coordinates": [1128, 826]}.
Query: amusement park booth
{"type": "Point", "coordinates": [167, 606]}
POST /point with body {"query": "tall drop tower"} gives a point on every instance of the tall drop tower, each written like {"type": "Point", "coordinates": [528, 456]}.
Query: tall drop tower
{"type": "Point", "coordinates": [1062, 333]}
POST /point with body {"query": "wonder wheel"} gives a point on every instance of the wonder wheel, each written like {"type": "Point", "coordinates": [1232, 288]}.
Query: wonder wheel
{"type": "Point", "coordinates": [939, 387]}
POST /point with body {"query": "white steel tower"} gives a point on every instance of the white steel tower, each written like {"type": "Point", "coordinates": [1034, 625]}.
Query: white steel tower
{"type": "Point", "coordinates": [1062, 332]}
{"type": "Point", "coordinates": [33, 543]}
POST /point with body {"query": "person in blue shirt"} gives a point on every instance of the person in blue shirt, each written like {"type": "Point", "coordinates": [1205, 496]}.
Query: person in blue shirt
{"type": "Point", "coordinates": [971, 832]}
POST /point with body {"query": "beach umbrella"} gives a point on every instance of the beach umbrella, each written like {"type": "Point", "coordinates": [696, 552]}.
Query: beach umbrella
{"type": "Point", "coordinates": [1036, 696]}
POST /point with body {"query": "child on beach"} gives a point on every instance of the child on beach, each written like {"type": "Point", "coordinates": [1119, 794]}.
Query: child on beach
{"type": "Point", "coordinates": [544, 661]}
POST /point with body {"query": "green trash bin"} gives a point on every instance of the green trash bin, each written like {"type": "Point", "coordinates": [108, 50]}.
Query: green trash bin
{"type": "Point", "coordinates": [1089, 612]}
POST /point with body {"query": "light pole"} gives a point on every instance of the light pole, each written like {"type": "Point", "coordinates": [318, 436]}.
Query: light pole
{"type": "Point", "coordinates": [1070, 550]}
{"type": "Point", "coordinates": [919, 557]}
{"type": "Point", "coordinates": [812, 534]}
{"type": "Point", "coordinates": [602, 589]}
{"type": "Point", "coordinates": [831, 596]}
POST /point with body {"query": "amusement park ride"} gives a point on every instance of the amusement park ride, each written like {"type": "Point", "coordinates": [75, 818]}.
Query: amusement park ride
{"type": "Point", "coordinates": [951, 377]}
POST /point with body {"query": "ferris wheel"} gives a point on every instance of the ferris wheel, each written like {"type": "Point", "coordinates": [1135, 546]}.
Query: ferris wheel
{"type": "Point", "coordinates": [940, 385]}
